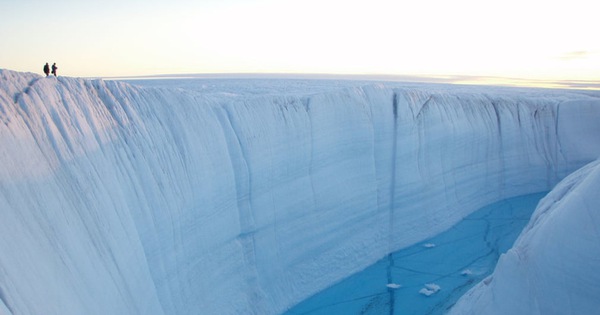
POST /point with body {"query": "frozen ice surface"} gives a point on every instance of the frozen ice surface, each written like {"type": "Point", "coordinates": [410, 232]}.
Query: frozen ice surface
{"type": "Point", "coordinates": [246, 197]}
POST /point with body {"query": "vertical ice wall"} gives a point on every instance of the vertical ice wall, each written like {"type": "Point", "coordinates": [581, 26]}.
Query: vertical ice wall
{"type": "Point", "coordinates": [68, 239]}
{"type": "Point", "coordinates": [121, 200]}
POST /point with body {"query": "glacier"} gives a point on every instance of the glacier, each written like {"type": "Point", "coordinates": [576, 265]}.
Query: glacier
{"type": "Point", "coordinates": [122, 199]}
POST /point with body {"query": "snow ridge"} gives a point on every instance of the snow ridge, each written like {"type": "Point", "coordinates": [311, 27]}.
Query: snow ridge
{"type": "Point", "coordinates": [117, 199]}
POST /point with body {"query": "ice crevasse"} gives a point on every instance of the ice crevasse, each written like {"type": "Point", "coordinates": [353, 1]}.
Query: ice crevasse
{"type": "Point", "coordinates": [118, 199]}
{"type": "Point", "coordinates": [553, 266]}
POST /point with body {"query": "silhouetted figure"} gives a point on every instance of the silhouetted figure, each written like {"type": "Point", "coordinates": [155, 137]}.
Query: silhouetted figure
{"type": "Point", "coordinates": [46, 69]}
{"type": "Point", "coordinates": [54, 67]}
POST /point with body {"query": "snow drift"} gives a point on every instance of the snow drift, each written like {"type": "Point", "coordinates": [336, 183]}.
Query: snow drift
{"type": "Point", "coordinates": [117, 199]}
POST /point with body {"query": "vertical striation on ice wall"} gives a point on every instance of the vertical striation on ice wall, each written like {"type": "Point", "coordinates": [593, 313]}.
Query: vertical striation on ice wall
{"type": "Point", "coordinates": [116, 199]}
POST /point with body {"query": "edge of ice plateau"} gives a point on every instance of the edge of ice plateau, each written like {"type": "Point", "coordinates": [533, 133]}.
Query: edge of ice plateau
{"type": "Point", "coordinates": [119, 199]}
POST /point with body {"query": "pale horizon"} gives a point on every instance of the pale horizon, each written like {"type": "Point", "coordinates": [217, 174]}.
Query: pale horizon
{"type": "Point", "coordinates": [513, 41]}
{"type": "Point", "coordinates": [440, 79]}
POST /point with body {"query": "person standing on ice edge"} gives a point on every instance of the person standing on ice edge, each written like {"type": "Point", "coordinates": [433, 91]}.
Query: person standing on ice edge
{"type": "Point", "coordinates": [46, 69]}
{"type": "Point", "coordinates": [54, 67]}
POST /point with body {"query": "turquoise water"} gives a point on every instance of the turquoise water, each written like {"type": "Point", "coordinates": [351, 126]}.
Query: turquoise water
{"type": "Point", "coordinates": [449, 263]}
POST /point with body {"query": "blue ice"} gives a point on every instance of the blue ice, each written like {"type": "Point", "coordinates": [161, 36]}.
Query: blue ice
{"type": "Point", "coordinates": [429, 277]}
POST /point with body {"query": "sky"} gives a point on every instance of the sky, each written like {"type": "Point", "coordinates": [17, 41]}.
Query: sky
{"type": "Point", "coordinates": [524, 39]}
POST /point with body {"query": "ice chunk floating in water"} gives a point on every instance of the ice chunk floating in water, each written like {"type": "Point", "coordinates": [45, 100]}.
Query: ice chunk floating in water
{"type": "Point", "coordinates": [122, 199]}
{"type": "Point", "coordinates": [432, 279]}
{"type": "Point", "coordinates": [429, 289]}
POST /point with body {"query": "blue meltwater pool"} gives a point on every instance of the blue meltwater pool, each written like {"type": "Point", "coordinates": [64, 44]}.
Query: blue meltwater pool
{"type": "Point", "coordinates": [429, 277]}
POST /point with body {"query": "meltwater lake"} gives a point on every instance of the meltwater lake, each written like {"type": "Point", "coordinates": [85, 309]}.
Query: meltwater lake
{"type": "Point", "coordinates": [429, 277]}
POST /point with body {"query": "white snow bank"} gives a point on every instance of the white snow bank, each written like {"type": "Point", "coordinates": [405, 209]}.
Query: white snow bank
{"type": "Point", "coordinates": [554, 266]}
{"type": "Point", "coordinates": [116, 199]}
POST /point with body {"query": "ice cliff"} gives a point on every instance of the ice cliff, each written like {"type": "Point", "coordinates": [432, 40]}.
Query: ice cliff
{"type": "Point", "coordinates": [118, 199]}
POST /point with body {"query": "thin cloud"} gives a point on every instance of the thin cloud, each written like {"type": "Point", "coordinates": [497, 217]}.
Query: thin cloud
{"type": "Point", "coordinates": [573, 55]}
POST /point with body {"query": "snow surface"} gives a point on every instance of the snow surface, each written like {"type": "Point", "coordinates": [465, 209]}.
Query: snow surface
{"type": "Point", "coordinates": [120, 199]}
